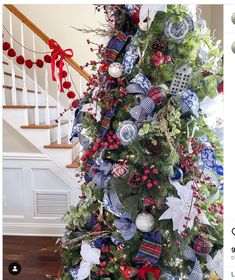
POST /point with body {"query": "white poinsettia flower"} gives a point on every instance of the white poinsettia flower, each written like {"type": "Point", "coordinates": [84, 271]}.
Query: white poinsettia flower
{"type": "Point", "coordinates": [183, 206]}
{"type": "Point", "coordinates": [90, 254]}
{"type": "Point", "coordinates": [216, 264]}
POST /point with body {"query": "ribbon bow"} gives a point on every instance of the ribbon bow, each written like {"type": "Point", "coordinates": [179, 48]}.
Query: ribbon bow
{"type": "Point", "coordinates": [196, 273]}
{"type": "Point", "coordinates": [150, 249]}
{"type": "Point", "coordinates": [126, 226]}
{"type": "Point", "coordinates": [58, 52]}
{"type": "Point", "coordinates": [143, 271]}
{"type": "Point", "coordinates": [99, 172]}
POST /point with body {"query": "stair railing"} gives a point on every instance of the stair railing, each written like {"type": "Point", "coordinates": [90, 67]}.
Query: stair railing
{"type": "Point", "coordinates": [81, 75]}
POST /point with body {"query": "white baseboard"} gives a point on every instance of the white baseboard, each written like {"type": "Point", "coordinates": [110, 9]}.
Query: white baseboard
{"type": "Point", "coordinates": [32, 229]}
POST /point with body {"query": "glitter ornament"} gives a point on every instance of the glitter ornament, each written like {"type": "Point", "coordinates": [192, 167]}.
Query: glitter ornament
{"type": "Point", "coordinates": [145, 222]}
{"type": "Point", "coordinates": [115, 70]}
{"type": "Point", "coordinates": [120, 169]}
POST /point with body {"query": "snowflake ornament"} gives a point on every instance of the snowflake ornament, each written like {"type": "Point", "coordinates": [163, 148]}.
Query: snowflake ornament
{"type": "Point", "coordinates": [182, 207]}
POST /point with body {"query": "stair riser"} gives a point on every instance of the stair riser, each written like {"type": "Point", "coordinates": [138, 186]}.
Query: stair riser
{"type": "Point", "coordinates": [42, 115]}
{"type": "Point", "coordinates": [16, 118]}
{"type": "Point", "coordinates": [19, 82]}
{"type": "Point", "coordinates": [53, 132]}
{"type": "Point", "coordinates": [20, 98]}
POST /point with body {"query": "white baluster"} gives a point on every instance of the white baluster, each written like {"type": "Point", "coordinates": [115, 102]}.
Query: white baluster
{"type": "Point", "coordinates": [25, 97]}
{"type": "Point", "coordinates": [47, 110]}
{"type": "Point", "coordinates": [36, 110]}
{"type": "Point", "coordinates": [80, 87]}
{"type": "Point", "coordinates": [3, 90]}
{"type": "Point", "coordinates": [13, 90]}
{"type": "Point", "coordinates": [69, 111]}
{"type": "Point", "coordinates": [58, 114]}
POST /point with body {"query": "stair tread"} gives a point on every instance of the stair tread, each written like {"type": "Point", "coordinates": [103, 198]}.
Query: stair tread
{"type": "Point", "coordinates": [74, 164]}
{"type": "Point", "coordinates": [24, 107]}
{"type": "Point", "coordinates": [64, 144]}
{"type": "Point", "coordinates": [9, 74]}
{"type": "Point", "coordinates": [20, 89]}
{"type": "Point", "coordinates": [44, 125]}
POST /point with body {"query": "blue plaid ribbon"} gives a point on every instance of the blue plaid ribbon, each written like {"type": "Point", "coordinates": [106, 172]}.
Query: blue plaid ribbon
{"type": "Point", "coordinates": [112, 202]}
{"type": "Point", "coordinates": [146, 106]}
{"type": "Point", "coordinates": [196, 273]}
{"type": "Point", "coordinates": [140, 84]}
{"type": "Point", "coordinates": [77, 128]}
{"type": "Point", "coordinates": [99, 173]}
{"type": "Point", "coordinates": [126, 226]}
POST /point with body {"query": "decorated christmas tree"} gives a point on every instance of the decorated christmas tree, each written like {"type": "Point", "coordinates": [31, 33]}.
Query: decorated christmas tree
{"type": "Point", "coordinates": [151, 172]}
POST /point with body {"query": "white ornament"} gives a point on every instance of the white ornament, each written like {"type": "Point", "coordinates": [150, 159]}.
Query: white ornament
{"type": "Point", "coordinates": [143, 25]}
{"type": "Point", "coordinates": [216, 264]}
{"type": "Point", "coordinates": [145, 222]}
{"type": "Point", "coordinates": [183, 206]}
{"type": "Point", "coordinates": [115, 70]}
{"type": "Point", "coordinates": [233, 18]}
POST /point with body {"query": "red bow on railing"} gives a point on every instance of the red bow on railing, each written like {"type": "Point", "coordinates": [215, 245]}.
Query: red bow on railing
{"type": "Point", "coordinates": [142, 272]}
{"type": "Point", "coordinates": [58, 52]}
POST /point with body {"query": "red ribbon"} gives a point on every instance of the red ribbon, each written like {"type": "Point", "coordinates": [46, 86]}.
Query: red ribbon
{"type": "Point", "coordinates": [58, 52]}
{"type": "Point", "coordinates": [142, 272]}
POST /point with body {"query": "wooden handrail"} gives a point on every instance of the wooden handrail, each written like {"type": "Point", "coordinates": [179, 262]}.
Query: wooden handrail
{"type": "Point", "coordinates": [44, 37]}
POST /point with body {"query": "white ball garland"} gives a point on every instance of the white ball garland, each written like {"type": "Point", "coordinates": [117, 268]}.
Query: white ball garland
{"type": "Point", "coordinates": [145, 222]}
{"type": "Point", "coordinates": [115, 70]}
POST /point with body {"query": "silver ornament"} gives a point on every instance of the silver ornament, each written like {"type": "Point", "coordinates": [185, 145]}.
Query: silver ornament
{"type": "Point", "coordinates": [145, 222]}
{"type": "Point", "coordinates": [233, 47]}
{"type": "Point", "coordinates": [233, 18]}
{"type": "Point", "coordinates": [115, 70]}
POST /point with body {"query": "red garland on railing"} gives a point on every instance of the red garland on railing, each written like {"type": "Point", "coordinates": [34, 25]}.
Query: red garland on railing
{"type": "Point", "coordinates": [50, 59]}
{"type": "Point", "coordinates": [21, 60]}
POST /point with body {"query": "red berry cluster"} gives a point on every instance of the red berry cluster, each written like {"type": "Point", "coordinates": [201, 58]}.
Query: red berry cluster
{"type": "Point", "coordinates": [159, 58]}
{"type": "Point", "coordinates": [111, 142]}
{"type": "Point", "coordinates": [218, 210]}
{"type": "Point", "coordinates": [21, 60]}
{"type": "Point", "coordinates": [187, 160]}
{"type": "Point", "coordinates": [148, 174]}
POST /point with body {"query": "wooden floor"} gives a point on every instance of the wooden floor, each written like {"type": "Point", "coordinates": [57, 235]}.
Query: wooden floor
{"type": "Point", "coordinates": [36, 255]}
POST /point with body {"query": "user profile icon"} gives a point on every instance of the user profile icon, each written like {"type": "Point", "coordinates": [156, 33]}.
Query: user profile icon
{"type": "Point", "coordinates": [14, 268]}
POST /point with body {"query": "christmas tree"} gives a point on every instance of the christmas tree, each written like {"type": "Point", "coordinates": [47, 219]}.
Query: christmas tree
{"type": "Point", "coordinates": [151, 172]}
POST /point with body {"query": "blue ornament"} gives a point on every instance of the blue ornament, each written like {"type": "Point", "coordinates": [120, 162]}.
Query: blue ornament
{"type": "Point", "coordinates": [188, 102]}
{"type": "Point", "coordinates": [208, 157]}
{"type": "Point", "coordinates": [176, 29]}
{"type": "Point", "coordinates": [127, 132]}
{"type": "Point", "coordinates": [219, 170]}
{"type": "Point", "coordinates": [178, 174]}
{"type": "Point", "coordinates": [166, 276]}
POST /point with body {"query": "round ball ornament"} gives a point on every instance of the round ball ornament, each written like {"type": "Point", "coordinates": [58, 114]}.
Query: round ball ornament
{"type": "Point", "coordinates": [233, 18]}
{"type": "Point", "coordinates": [166, 276]}
{"type": "Point", "coordinates": [233, 47]}
{"type": "Point", "coordinates": [177, 29]}
{"type": "Point", "coordinates": [127, 132]}
{"type": "Point", "coordinates": [145, 222]}
{"type": "Point", "coordinates": [178, 174]}
{"type": "Point", "coordinates": [201, 245]}
{"type": "Point", "coordinates": [115, 70]}
{"type": "Point", "coordinates": [120, 170]}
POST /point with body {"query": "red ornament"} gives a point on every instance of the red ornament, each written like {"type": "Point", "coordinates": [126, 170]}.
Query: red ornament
{"type": "Point", "coordinates": [47, 58]}
{"type": "Point", "coordinates": [58, 64]}
{"type": "Point", "coordinates": [220, 87]}
{"type": "Point", "coordinates": [39, 63]}
{"type": "Point", "coordinates": [29, 63]}
{"type": "Point", "coordinates": [64, 74]}
{"type": "Point", "coordinates": [104, 67]}
{"type": "Point", "coordinates": [20, 59]}
{"type": "Point", "coordinates": [71, 94]}
{"type": "Point", "coordinates": [11, 52]}
{"type": "Point", "coordinates": [75, 104]}
{"type": "Point", "coordinates": [167, 58]}
{"type": "Point", "coordinates": [149, 185]}
{"type": "Point", "coordinates": [67, 84]}
{"type": "Point", "coordinates": [6, 46]}
{"type": "Point", "coordinates": [128, 271]}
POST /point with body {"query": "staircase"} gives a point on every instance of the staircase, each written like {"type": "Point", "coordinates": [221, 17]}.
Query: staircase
{"type": "Point", "coordinates": [32, 110]}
